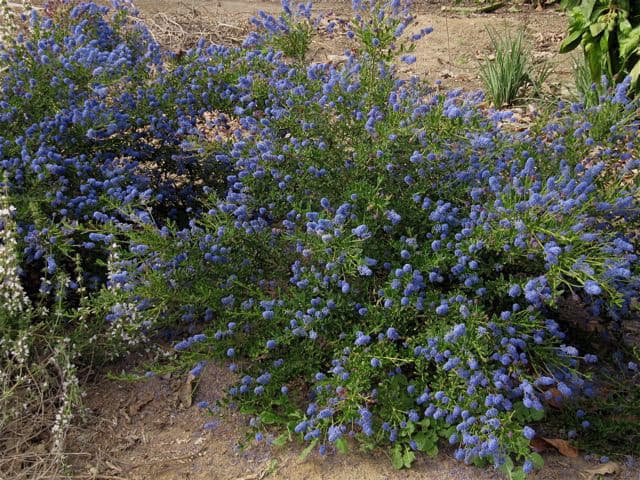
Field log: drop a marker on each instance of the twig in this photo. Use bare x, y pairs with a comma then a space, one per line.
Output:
492, 7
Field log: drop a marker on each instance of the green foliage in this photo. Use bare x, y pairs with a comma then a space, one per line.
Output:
609, 33
588, 91
507, 73
295, 43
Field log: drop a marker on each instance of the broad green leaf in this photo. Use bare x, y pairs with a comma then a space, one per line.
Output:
308, 449
597, 28
629, 42
594, 60
537, 460
408, 457
507, 466
518, 474
410, 428
341, 445
607, 58
396, 457
625, 26
423, 441
599, 13
571, 42
587, 7
635, 73
269, 418
431, 450
536, 415
281, 440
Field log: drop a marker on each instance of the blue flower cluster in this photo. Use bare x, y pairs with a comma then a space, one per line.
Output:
390, 259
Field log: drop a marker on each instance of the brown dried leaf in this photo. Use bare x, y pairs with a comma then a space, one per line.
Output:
141, 400
564, 448
538, 445
185, 394
609, 468
556, 398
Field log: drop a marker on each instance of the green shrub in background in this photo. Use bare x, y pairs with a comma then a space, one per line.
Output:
609, 33
504, 75
510, 71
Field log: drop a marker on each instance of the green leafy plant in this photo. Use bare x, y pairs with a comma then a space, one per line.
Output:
609, 33
505, 74
588, 91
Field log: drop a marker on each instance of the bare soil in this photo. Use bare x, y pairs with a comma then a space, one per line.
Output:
451, 53
153, 429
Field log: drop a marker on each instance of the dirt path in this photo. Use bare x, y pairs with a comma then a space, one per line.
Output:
451, 53
144, 430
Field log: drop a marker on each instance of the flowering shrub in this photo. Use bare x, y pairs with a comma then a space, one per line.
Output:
377, 260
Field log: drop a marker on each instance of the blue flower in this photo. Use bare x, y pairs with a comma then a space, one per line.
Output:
361, 231
442, 309
392, 334
527, 466
592, 287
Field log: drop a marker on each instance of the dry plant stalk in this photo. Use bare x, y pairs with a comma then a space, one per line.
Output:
182, 29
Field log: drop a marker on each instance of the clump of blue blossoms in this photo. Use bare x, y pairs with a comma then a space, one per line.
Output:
376, 260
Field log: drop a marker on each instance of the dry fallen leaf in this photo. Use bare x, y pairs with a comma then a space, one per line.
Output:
608, 468
538, 445
563, 447
140, 402
556, 398
185, 393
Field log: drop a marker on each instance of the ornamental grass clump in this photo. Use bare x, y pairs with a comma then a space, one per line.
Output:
507, 73
378, 262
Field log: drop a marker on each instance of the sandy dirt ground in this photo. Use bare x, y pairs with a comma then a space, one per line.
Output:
153, 429
451, 53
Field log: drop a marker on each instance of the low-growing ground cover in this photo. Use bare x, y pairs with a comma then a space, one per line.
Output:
382, 264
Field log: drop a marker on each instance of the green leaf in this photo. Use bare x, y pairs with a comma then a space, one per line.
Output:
594, 59
431, 450
587, 7
423, 441
308, 449
341, 445
425, 423
409, 429
536, 415
571, 42
518, 474
408, 457
396, 457
629, 42
597, 28
537, 460
269, 418
625, 26
635, 73
507, 467
281, 440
